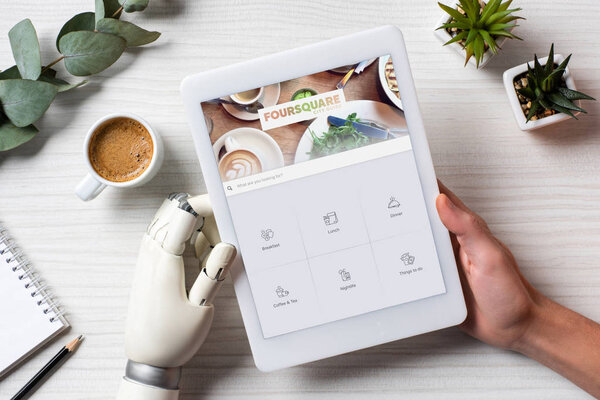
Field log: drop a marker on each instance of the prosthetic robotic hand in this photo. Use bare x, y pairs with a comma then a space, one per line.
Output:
166, 326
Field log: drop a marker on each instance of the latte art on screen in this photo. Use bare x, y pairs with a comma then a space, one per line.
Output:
238, 164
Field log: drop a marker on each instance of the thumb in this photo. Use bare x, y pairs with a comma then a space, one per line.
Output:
471, 232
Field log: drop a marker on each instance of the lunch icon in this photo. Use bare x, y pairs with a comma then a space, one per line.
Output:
345, 275
267, 234
330, 218
393, 203
407, 259
281, 292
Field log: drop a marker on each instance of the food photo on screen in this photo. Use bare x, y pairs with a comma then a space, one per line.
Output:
302, 119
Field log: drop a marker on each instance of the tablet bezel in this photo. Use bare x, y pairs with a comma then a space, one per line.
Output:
364, 330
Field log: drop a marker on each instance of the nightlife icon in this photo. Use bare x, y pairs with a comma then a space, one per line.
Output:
281, 292
267, 234
345, 275
331, 218
393, 203
407, 259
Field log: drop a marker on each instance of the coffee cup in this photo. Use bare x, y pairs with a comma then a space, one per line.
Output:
248, 96
238, 161
120, 150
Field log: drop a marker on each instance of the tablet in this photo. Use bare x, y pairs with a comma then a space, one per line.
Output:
318, 168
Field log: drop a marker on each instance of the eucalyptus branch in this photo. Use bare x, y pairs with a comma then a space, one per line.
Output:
89, 43
53, 63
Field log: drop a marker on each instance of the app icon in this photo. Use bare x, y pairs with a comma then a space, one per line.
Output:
345, 275
407, 259
331, 218
393, 203
281, 292
267, 234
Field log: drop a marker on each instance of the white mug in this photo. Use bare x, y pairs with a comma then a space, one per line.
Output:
254, 99
93, 183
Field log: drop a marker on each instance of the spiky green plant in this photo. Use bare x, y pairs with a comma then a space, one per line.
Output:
479, 27
548, 91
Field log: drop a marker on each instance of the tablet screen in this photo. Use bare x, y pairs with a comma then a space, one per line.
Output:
327, 205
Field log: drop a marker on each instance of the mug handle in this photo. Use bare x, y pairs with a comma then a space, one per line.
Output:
231, 144
89, 188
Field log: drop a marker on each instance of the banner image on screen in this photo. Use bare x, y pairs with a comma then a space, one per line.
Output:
325, 197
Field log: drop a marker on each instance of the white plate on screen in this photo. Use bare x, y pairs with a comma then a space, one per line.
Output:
384, 84
269, 98
263, 145
374, 111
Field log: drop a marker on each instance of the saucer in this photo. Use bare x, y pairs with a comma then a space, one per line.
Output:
257, 141
269, 98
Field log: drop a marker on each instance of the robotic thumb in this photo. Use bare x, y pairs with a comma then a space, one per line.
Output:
211, 277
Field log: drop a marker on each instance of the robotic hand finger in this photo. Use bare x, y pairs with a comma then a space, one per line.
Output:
166, 326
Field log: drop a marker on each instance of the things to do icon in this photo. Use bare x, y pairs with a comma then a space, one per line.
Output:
407, 259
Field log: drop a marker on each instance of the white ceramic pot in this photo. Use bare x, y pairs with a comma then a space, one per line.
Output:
444, 36
508, 78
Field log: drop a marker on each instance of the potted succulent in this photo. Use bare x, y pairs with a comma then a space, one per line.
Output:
542, 92
477, 28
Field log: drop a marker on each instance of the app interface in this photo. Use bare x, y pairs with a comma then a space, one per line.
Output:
327, 205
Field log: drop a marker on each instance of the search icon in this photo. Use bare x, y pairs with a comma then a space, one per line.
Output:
229, 188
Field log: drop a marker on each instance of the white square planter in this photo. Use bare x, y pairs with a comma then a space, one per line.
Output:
508, 78
444, 36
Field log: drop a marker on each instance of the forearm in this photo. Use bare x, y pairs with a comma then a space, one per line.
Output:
566, 342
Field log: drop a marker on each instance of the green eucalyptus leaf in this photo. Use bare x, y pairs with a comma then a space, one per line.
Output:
107, 9
81, 22
12, 136
133, 5
88, 53
11, 73
26, 49
24, 101
133, 34
49, 76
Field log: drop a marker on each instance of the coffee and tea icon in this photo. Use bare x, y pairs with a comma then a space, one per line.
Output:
281, 292
345, 275
267, 234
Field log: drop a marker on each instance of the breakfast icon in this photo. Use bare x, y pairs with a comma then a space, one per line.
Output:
345, 275
267, 234
407, 259
281, 292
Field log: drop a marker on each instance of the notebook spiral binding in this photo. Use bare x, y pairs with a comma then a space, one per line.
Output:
31, 280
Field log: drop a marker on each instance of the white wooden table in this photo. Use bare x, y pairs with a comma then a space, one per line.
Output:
540, 193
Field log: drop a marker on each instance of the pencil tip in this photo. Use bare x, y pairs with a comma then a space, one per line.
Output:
80, 338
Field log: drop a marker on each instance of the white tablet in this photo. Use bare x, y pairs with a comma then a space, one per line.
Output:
318, 168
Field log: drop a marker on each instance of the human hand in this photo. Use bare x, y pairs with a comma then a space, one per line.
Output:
500, 301
506, 311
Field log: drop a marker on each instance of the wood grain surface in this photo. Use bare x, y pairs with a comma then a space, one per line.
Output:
540, 193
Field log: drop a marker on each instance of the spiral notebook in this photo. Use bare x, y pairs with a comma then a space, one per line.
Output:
29, 317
